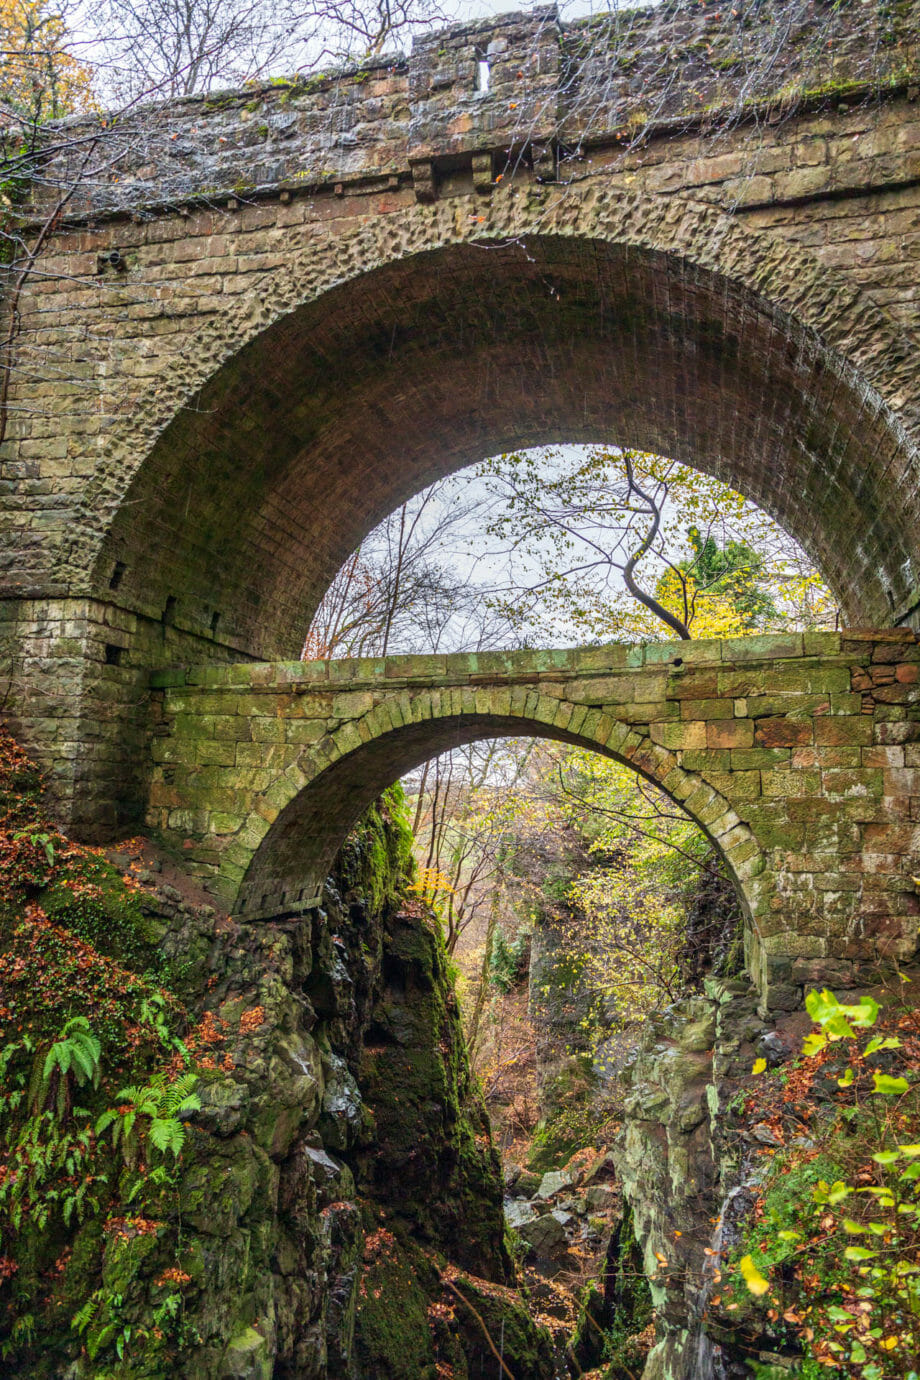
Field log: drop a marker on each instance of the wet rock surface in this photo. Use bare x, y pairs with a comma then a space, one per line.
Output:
338, 1192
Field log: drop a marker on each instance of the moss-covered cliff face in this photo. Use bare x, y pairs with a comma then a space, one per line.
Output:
336, 1174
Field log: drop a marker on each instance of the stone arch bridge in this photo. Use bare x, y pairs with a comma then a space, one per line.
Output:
794, 753
258, 321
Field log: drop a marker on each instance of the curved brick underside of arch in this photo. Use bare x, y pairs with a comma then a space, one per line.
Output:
329, 787
365, 367
299, 847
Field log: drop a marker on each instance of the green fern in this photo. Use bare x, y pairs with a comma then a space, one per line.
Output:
162, 1103
75, 1057
84, 1316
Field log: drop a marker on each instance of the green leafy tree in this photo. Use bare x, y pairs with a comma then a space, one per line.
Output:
736, 572
607, 544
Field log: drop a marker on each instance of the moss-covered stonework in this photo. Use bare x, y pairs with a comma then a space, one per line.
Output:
324, 280
796, 753
249, 1259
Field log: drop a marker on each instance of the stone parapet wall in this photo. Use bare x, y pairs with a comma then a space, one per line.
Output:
817, 156
111, 359
662, 70
798, 754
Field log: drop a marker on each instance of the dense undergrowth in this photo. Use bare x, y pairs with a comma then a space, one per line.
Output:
99, 1066
189, 1170
828, 1266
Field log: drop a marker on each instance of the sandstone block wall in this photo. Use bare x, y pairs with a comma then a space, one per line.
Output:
327, 292
798, 754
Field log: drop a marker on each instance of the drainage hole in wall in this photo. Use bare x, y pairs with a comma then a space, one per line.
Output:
113, 654
117, 574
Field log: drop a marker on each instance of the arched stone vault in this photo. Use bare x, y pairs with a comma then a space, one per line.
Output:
298, 848
369, 364
794, 753
223, 460
259, 328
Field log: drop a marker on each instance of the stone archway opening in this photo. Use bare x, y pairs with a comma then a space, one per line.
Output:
259, 771
288, 868
346, 405
532, 549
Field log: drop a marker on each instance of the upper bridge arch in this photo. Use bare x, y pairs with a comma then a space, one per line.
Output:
257, 322
368, 364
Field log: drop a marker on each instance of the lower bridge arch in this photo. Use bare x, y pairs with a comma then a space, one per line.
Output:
327, 789
797, 753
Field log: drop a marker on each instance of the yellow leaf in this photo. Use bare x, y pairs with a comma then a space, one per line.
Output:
752, 1277
760, 1066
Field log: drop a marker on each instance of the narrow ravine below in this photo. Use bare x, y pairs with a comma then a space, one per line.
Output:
335, 1206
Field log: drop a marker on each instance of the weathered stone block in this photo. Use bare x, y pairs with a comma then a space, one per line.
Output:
304, 730
844, 730
221, 823
762, 648
707, 709
787, 703
842, 784
216, 752
706, 759
352, 705
820, 643
783, 784
750, 759
264, 730
693, 685
730, 733
739, 785
783, 732
679, 735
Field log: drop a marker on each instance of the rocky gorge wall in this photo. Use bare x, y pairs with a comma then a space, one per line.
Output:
336, 1212
679, 1160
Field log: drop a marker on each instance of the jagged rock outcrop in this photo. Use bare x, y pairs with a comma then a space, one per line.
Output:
336, 1212
679, 1162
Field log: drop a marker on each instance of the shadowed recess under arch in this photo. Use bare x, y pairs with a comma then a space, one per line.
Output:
290, 865
337, 412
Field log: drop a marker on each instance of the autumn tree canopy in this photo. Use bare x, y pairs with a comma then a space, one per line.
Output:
41, 76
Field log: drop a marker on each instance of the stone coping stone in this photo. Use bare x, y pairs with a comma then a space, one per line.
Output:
471, 666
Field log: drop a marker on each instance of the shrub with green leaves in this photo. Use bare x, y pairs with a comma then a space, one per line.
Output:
833, 1251
151, 1114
